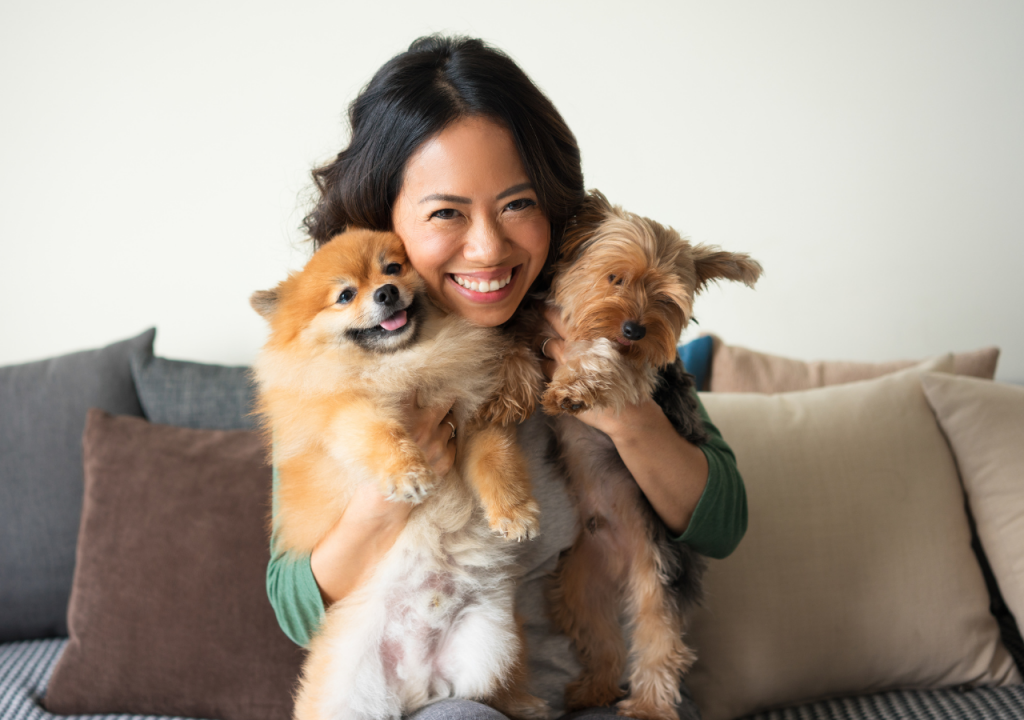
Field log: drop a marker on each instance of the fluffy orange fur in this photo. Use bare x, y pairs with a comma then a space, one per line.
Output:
352, 335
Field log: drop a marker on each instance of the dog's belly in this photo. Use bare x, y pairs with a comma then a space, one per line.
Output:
435, 621
612, 510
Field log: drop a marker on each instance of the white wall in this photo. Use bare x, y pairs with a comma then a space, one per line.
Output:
154, 157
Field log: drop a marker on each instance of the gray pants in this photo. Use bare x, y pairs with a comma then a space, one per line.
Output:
471, 710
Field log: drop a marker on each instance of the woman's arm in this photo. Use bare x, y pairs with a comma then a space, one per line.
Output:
696, 490
670, 471
301, 588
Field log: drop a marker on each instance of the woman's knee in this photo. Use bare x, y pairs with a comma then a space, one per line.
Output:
456, 710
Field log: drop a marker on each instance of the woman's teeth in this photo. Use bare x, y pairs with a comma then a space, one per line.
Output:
484, 285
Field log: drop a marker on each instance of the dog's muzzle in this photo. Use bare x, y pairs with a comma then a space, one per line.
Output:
632, 330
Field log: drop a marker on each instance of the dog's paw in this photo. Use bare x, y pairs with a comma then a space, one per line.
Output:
411, 487
570, 399
528, 707
645, 710
588, 692
519, 522
507, 410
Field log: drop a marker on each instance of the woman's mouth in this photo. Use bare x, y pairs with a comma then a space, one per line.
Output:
483, 286
486, 289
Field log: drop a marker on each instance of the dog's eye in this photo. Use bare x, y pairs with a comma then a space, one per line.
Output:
393, 269
614, 281
346, 296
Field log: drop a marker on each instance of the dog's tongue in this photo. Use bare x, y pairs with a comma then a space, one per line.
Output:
395, 321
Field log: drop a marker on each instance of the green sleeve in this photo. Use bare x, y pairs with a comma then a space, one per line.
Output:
720, 519
292, 590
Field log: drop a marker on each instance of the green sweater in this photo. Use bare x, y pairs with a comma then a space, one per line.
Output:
716, 528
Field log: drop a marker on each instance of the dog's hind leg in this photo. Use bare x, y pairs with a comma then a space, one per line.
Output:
658, 655
584, 602
512, 698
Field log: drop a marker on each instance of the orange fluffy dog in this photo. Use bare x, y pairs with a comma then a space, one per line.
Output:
625, 287
352, 335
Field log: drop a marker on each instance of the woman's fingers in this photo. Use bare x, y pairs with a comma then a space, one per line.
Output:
446, 459
553, 348
554, 317
431, 429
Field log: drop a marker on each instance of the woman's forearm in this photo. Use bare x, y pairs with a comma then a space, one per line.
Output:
671, 471
347, 556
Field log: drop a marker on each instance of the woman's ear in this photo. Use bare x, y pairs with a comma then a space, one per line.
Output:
264, 302
714, 264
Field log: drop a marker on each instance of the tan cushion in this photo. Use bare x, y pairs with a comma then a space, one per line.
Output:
984, 423
737, 369
856, 573
169, 612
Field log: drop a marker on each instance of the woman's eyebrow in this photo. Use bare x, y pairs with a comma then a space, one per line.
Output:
444, 197
447, 198
514, 189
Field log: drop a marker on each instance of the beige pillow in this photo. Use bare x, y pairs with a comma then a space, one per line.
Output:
856, 574
984, 423
737, 369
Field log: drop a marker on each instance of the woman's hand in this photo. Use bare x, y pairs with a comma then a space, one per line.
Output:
670, 471
350, 552
433, 429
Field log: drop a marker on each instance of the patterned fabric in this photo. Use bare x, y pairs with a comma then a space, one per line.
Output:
1005, 703
25, 668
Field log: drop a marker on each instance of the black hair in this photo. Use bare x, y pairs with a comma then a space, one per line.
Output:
417, 94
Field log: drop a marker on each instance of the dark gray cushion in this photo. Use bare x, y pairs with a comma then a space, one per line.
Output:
194, 395
42, 414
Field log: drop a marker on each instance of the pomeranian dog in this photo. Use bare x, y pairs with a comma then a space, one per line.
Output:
352, 336
625, 287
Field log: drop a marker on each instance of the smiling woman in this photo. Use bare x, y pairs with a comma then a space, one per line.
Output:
459, 153
474, 230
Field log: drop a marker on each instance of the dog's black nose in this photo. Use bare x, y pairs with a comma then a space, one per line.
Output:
632, 330
386, 295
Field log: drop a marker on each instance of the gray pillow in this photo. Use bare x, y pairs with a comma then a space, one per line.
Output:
44, 405
194, 395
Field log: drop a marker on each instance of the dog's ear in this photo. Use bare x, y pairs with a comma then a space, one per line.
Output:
264, 302
714, 264
582, 225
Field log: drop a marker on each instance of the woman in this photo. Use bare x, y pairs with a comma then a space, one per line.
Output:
456, 150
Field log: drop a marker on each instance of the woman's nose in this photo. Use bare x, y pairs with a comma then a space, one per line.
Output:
485, 243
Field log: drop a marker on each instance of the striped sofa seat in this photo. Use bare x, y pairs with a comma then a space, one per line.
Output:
25, 668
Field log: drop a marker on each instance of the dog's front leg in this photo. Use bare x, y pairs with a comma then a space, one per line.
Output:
520, 380
595, 374
495, 468
368, 438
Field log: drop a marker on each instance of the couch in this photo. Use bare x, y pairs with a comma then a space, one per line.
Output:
880, 577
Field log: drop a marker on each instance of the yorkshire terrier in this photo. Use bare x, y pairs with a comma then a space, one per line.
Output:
625, 286
353, 336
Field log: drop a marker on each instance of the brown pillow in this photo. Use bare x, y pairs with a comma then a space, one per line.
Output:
169, 613
737, 369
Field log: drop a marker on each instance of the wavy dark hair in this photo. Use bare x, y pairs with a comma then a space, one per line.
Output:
414, 96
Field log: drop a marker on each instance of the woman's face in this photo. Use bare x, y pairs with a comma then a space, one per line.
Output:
470, 221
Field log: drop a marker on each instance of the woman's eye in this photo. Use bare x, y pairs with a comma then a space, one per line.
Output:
393, 269
520, 204
346, 296
444, 214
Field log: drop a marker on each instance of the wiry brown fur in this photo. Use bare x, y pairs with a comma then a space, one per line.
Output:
331, 381
617, 267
